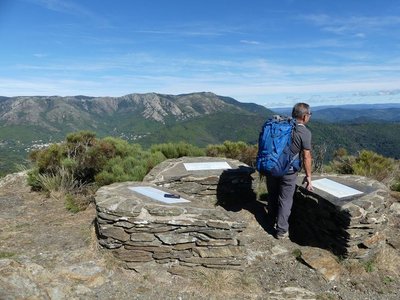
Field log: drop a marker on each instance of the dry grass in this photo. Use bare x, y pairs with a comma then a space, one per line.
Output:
354, 267
388, 260
395, 195
260, 187
225, 284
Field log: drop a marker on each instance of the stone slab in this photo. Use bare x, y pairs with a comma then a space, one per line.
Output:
120, 201
201, 166
334, 183
334, 188
157, 194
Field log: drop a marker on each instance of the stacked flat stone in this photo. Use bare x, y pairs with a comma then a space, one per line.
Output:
216, 186
139, 229
350, 227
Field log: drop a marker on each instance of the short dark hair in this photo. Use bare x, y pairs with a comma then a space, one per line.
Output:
300, 110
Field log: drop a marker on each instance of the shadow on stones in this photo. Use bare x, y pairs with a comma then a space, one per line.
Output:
318, 223
314, 221
235, 192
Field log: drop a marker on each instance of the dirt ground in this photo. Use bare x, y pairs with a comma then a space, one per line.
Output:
47, 252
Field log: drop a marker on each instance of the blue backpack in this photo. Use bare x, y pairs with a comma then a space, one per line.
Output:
274, 156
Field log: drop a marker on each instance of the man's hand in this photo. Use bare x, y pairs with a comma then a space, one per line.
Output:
307, 180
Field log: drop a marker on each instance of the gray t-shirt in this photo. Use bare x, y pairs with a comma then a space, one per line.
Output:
301, 139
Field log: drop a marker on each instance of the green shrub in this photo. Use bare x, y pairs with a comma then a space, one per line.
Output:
369, 266
176, 150
104, 178
48, 160
394, 181
60, 181
235, 150
85, 138
33, 179
342, 162
342, 166
297, 253
387, 280
154, 159
371, 164
6, 254
69, 164
71, 204
395, 186
131, 168
83, 159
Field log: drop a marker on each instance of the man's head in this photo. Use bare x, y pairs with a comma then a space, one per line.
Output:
301, 112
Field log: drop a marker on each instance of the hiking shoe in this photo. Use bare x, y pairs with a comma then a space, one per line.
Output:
282, 236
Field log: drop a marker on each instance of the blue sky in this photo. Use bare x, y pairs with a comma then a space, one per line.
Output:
270, 52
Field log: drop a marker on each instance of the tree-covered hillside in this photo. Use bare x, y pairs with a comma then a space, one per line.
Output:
200, 119
382, 138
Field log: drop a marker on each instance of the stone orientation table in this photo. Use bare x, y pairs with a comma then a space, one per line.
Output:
139, 224
344, 214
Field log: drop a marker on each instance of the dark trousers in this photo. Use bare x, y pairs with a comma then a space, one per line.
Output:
280, 200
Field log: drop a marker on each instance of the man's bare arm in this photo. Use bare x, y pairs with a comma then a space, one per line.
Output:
307, 159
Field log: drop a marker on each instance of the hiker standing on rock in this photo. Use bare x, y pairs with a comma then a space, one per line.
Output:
281, 188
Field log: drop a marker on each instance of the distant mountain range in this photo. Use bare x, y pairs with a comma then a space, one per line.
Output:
353, 113
134, 116
197, 118
201, 119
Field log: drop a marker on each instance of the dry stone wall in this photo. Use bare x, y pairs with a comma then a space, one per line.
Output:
351, 226
139, 229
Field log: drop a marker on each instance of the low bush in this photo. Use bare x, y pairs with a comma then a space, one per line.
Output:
72, 169
60, 181
170, 150
236, 150
71, 204
69, 169
342, 162
369, 164
76, 202
395, 185
129, 168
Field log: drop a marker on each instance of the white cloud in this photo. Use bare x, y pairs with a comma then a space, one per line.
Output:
40, 55
245, 79
72, 8
63, 6
352, 24
360, 35
250, 42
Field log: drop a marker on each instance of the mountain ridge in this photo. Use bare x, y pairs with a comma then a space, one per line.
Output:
151, 106
353, 113
31, 122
